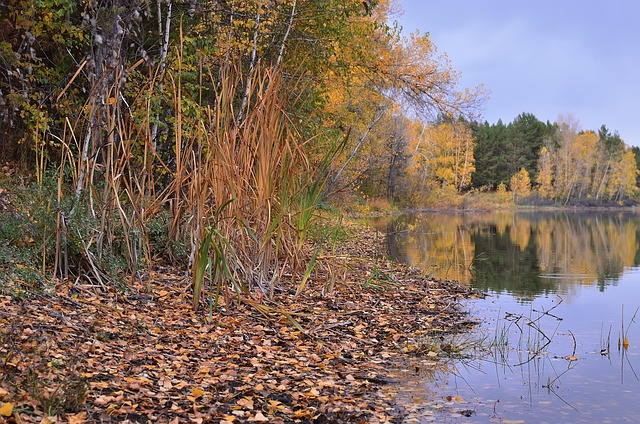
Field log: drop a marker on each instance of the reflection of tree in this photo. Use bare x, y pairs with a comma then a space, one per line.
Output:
595, 246
526, 254
506, 266
438, 244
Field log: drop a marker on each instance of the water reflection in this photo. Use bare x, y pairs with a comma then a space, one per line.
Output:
526, 254
564, 296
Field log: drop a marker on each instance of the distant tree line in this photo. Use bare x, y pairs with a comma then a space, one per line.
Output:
545, 163
564, 164
502, 150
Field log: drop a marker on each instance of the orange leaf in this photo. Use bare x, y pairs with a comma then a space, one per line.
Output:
6, 409
196, 392
246, 402
78, 418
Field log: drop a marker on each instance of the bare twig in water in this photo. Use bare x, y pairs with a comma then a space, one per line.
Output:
543, 312
575, 344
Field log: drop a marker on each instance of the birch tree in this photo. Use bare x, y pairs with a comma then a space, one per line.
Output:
445, 157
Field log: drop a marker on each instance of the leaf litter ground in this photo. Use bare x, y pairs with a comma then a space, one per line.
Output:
88, 353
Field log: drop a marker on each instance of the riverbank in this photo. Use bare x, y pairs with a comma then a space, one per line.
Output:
95, 353
481, 202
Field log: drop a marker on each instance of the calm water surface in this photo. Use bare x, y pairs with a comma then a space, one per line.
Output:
563, 289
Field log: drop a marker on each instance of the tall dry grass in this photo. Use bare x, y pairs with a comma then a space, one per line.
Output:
242, 187
254, 168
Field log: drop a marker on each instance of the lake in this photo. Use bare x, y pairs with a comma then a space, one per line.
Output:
559, 339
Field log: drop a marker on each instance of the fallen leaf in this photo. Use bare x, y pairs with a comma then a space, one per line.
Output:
78, 418
246, 403
302, 413
259, 417
6, 409
196, 392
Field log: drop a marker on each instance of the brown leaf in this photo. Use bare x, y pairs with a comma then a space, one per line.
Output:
245, 402
78, 418
259, 417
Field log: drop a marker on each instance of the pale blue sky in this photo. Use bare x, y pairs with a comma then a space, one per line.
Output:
542, 57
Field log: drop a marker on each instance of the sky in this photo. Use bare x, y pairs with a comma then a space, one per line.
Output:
542, 57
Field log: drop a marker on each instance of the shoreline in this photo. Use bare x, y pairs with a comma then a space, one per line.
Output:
451, 211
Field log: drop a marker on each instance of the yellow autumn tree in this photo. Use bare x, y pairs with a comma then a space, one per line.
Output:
544, 179
584, 158
623, 177
444, 156
520, 184
375, 77
575, 165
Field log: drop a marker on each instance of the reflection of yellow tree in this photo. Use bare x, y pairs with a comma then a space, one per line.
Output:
442, 247
503, 221
592, 248
520, 233
574, 248
544, 243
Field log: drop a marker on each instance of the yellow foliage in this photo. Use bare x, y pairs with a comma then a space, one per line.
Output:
545, 173
520, 184
520, 233
623, 176
584, 165
443, 156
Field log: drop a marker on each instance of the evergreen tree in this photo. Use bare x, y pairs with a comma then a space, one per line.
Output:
526, 136
636, 152
491, 163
